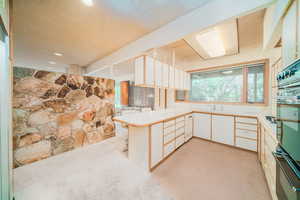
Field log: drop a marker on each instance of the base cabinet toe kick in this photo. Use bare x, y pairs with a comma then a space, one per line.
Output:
151, 144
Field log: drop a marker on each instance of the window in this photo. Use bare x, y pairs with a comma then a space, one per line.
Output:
217, 86
236, 84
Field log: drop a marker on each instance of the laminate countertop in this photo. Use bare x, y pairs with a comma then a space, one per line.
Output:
153, 117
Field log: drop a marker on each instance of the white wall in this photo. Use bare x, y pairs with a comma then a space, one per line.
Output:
251, 49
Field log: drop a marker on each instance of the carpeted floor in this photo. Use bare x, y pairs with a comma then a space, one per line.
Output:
95, 172
201, 170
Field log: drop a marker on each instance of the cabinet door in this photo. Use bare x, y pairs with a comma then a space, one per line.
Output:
188, 127
182, 78
223, 129
156, 144
165, 75
177, 78
158, 74
149, 66
202, 125
171, 77
139, 71
289, 35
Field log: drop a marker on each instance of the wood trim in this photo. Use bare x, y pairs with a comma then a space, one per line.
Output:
245, 86
228, 66
219, 102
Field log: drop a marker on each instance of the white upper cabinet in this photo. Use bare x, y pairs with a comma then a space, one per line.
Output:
165, 79
139, 68
149, 67
171, 77
177, 78
223, 129
289, 35
158, 73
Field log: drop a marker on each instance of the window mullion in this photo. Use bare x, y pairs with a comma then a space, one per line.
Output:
245, 85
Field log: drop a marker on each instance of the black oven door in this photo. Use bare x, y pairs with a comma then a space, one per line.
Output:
288, 129
287, 184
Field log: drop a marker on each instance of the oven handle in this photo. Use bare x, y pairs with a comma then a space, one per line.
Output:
280, 154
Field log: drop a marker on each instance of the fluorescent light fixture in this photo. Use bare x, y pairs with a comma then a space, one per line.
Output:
58, 54
227, 72
88, 2
52, 62
211, 42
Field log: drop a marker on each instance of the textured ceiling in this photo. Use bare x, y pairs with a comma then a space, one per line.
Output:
84, 34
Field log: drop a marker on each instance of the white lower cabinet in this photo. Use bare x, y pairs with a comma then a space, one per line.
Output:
188, 127
202, 125
156, 141
223, 129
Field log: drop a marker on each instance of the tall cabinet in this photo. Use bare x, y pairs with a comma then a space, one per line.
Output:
291, 34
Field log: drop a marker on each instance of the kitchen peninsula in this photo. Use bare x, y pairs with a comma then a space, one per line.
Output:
155, 135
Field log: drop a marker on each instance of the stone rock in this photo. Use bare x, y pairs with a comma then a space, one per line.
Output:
48, 129
61, 80
41, 74
33, 87
94, 137
67, 118
100, 81
29, 139
64, 145
58, 105
19, 120
63, 92
64, 132
74, 82
49, 93
75, 96
99, 92
20, 72
39, 117
33, 152
77, 124
79, 138
110, 84
109, 127
15, 142
27, 102
99, 123
89, 91
90, 80
88, 116
88, 127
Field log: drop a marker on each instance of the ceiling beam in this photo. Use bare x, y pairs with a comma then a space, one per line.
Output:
213, 12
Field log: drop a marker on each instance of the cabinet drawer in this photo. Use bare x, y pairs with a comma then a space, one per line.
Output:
179, 141
246, 126
246, 133
246, 144
246, 120
179, 124
169, 123
179, 119
168, 130
169, 137
188, 136
179, 131
169, 148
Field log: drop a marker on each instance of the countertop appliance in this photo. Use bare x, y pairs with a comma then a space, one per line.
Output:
288, 133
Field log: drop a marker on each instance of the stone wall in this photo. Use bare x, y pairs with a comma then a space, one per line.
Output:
54, 113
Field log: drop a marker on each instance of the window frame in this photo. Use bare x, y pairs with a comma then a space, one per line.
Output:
245, 83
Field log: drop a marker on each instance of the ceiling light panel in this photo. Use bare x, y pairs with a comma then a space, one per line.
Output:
88, 2
212, 43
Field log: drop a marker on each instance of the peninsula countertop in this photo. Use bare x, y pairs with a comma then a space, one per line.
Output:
143, 119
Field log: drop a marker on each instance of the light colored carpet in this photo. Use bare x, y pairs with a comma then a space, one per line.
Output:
201, 170
95, 172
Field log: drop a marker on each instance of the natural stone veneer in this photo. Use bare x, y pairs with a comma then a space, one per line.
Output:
54, 113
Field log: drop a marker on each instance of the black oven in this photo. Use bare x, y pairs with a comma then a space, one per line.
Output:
288, 133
